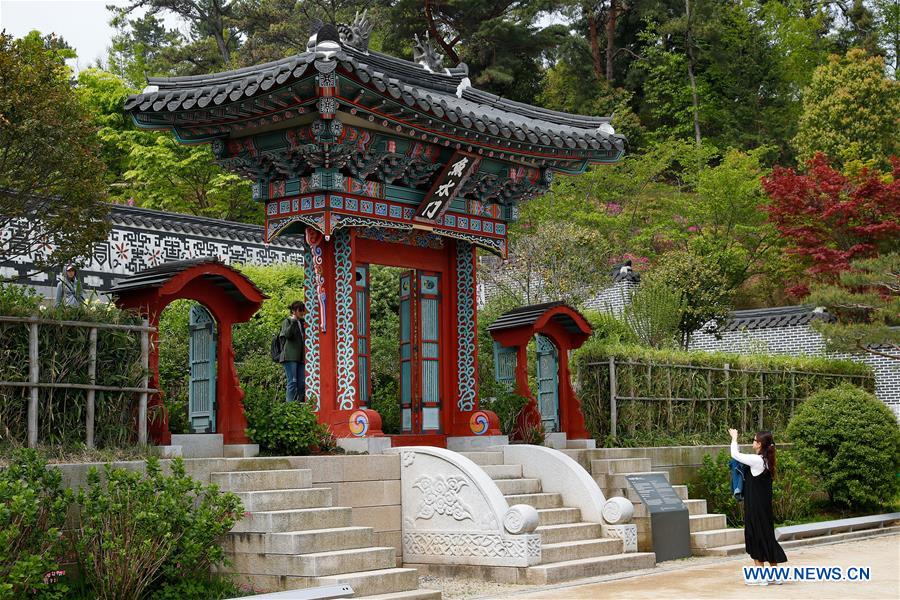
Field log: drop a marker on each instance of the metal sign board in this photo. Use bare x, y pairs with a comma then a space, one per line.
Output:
446, 187
669, 518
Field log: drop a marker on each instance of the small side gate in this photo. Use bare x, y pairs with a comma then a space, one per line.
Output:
202, 358
548, 383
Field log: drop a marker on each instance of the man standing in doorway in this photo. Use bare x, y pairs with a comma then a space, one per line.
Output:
292, 355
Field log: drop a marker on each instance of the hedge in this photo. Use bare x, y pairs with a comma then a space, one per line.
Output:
694, 397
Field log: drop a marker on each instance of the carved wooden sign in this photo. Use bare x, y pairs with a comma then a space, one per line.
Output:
446, 187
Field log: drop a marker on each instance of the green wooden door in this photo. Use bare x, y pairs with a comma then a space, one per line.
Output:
202, 357
548, 383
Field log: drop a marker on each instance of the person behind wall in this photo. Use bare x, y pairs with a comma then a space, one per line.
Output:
292, 354
69, 290
759, 522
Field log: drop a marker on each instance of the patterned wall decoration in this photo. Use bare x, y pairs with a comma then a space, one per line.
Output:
465, 319
346, 338
140, 239
440, 496
311, 342
470, 545
415, 237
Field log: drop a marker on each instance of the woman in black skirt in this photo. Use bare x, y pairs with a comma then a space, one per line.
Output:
759, 524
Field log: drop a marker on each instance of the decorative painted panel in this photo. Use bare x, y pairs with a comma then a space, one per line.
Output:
313, 317
465, 319
504, 363
406, 366
346, 336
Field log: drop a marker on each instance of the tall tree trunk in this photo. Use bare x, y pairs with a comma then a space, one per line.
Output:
689, 46
436, 35
223, 47
614, 11
595, 42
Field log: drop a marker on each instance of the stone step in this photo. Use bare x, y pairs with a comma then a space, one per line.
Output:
484, 458
285, 499
696, 506
717, 537
271, 479
568, 532
589, 567
620, 480
263, 463
300, 542
609, 466
542, 500
558, 516
707, 522
315, 564
518, 486
381, 581
577, 549
300, 519
503, 471
739, 549
419, 594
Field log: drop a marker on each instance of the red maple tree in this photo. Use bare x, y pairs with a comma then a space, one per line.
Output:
830, 218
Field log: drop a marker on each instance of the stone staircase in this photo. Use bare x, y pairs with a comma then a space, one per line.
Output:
709, 531
570, 548
293, 538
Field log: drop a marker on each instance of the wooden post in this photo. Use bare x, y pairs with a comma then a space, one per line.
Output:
709, 402
762, 396
613, 417
34, 372
92, 380
727, 394
145, 382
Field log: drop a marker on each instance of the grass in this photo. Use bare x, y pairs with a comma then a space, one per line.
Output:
82, 454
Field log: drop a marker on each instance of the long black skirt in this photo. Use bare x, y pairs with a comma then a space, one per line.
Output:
759, 524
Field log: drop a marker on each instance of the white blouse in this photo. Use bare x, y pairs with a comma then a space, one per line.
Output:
754, 461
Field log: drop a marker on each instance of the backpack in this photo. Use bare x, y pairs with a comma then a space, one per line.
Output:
277, 348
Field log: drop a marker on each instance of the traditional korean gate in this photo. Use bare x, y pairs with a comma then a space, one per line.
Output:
420, 385
202, 357
548, 383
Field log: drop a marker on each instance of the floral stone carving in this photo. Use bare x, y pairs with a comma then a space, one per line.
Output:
453, 513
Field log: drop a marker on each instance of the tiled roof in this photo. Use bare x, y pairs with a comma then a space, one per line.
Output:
192, 224
445, 95
784, 316
528, 315
158, 276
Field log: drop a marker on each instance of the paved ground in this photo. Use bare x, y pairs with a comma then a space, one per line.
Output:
722, 579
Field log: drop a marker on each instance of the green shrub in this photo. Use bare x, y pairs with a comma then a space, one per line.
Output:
215, 587
714, 484
505, 403
386, 401
851, 442
140, 531
792, 490
285, 428
32, 512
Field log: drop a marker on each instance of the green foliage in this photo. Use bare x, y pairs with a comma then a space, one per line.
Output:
850, 111
47, 150
32, 514
655, 313
610, 329
792, 489
714, 485
866, 301
285, 428
213, 587
64, 357
695, 397
701, 285
502, 399
137, 531
850, 440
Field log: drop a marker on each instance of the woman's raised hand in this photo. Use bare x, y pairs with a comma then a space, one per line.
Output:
734, 433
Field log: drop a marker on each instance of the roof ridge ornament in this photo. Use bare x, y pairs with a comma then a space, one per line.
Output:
607, 128
356, 34
426, 54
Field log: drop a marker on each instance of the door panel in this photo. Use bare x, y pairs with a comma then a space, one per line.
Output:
420, 382
202, 385
548, 383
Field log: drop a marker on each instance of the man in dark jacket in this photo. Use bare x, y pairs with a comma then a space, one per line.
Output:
292, 355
